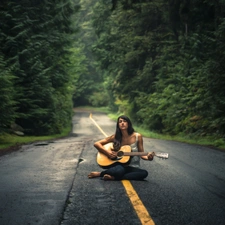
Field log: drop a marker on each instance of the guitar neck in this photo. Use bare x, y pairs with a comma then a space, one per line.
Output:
160, 155
135, 153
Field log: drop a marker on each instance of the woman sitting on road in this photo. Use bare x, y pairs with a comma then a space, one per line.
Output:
124, 135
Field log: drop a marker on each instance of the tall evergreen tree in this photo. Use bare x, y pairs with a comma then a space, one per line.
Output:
37, 41
165, 61
7, 106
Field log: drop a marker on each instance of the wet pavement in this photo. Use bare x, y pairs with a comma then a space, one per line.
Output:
47, 184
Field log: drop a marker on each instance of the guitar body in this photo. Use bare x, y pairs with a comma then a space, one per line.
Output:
123, 155
104, 161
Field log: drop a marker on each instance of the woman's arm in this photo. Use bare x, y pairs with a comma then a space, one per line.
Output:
150, 156
99, 145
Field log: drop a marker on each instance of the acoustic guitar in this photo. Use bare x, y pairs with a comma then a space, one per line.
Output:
123, 155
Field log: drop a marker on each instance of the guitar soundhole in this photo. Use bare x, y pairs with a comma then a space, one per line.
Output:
120, 154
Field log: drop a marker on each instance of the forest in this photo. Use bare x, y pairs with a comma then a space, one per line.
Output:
159, 62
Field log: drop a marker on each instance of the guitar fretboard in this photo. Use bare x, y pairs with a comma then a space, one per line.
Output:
157, 154
135, 153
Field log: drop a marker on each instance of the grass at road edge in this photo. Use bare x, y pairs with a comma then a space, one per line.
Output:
7, 141
208, 141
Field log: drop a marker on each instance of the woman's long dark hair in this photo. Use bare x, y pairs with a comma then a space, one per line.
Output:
118, 133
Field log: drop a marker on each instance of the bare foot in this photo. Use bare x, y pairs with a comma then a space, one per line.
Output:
108, 177
94, 174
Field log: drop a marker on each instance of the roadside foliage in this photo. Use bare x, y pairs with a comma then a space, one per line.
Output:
160, 62
163, 62
36, 56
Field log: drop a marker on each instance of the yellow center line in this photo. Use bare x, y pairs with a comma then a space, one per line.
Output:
139, 207
97, 125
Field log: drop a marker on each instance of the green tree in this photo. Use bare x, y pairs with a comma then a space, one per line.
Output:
7, 107
165, 59
37, 40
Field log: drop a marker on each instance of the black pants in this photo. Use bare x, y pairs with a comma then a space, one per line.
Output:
120, 172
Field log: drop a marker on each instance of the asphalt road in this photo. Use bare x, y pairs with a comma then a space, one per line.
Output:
47, 184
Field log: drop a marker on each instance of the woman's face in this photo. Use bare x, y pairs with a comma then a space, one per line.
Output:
123, 124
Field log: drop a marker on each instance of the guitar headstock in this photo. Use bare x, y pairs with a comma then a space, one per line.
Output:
162, 155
